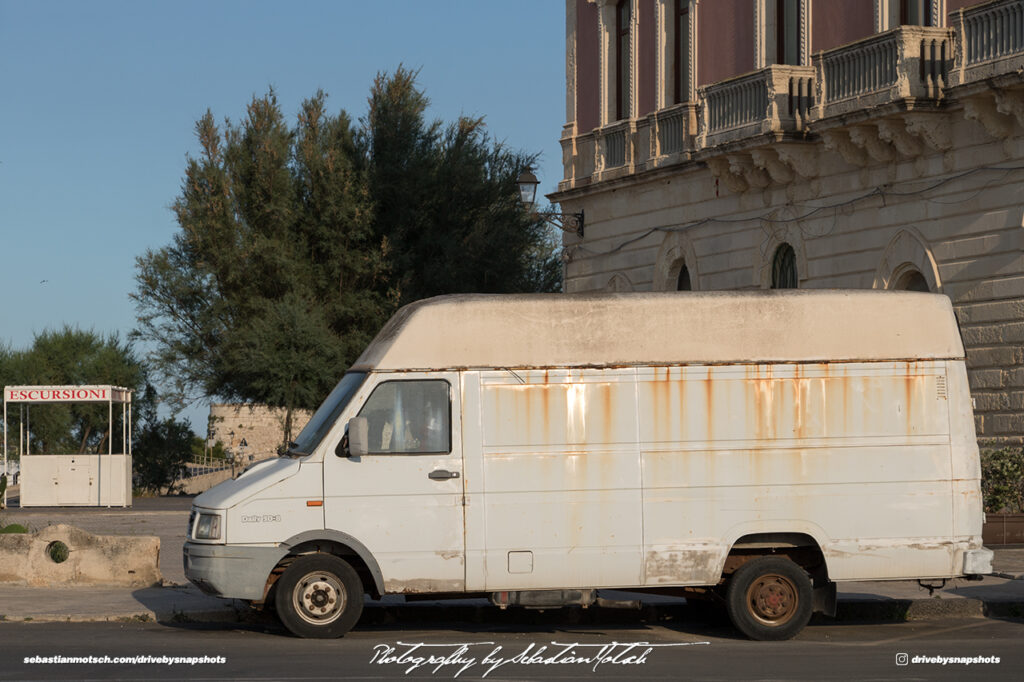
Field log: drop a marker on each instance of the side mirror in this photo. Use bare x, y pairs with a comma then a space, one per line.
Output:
358, 437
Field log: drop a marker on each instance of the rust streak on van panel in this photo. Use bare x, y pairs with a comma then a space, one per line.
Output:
799, 389
662, 412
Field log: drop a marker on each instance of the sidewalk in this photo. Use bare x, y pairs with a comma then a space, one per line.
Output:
995, 596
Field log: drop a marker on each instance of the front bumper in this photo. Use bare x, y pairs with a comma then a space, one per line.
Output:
230, 571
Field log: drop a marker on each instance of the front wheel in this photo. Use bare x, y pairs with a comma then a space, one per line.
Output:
319, 596
769, 598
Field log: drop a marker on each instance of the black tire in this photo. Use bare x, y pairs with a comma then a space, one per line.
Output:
319, 596
769, 598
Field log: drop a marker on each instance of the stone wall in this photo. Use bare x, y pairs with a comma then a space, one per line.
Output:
261, 427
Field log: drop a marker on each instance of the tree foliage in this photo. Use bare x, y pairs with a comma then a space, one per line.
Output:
162, 448
70, 356
297, 242
1002, 480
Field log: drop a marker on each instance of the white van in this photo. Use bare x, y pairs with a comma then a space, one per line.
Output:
751, 448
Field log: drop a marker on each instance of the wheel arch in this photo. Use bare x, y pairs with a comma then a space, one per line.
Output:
341, 545
801, 541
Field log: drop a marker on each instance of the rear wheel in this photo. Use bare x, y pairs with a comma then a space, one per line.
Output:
769, 598
319, 596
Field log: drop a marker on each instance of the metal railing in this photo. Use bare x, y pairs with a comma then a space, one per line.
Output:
206, 464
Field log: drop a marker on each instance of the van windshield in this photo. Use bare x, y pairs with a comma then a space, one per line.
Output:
326, 415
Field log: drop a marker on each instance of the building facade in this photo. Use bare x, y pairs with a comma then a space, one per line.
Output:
745, 144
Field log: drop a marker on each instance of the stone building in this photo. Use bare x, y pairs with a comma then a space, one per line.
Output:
744, 144
261, 428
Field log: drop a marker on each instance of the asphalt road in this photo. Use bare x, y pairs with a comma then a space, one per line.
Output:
265, 652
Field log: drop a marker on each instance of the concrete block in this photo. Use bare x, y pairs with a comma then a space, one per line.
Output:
1008, 424
987, 335
114, 560
991, 402
981, 245
986, 378
998, 311
999, 356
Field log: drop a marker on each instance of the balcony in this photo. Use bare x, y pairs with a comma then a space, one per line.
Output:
773, 102
876, 100
908, 65
990, 41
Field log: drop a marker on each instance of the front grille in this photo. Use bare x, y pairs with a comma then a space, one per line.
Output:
191, 524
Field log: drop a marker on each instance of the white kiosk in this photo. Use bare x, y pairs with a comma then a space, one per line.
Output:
85, 479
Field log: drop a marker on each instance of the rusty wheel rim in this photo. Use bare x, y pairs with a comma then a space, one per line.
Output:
772, 599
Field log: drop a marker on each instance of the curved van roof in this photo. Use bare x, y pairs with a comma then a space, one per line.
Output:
580, 330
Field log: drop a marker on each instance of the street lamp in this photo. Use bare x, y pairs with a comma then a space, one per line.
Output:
567, 222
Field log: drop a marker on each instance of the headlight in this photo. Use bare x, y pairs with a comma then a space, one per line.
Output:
208, 527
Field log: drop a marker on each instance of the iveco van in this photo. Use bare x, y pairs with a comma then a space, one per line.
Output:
752, 449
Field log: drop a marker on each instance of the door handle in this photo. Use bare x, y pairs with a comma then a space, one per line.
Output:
442, 475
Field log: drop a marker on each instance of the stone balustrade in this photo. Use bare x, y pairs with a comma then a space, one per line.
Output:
908, 68
775, 100
907, 62
989, 41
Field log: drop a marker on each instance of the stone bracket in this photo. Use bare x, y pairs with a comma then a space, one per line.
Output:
867, 138
838, 140
802, 159
985, 110
720, 169
768, 160
743, 164
1010, 102
933, 129
894, 131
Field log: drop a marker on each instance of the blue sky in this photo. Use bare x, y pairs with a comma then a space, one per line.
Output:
99, 100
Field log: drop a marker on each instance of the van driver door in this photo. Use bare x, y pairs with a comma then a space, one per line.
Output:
404, 500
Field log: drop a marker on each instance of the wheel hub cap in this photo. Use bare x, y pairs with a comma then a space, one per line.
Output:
772, 599
319, 598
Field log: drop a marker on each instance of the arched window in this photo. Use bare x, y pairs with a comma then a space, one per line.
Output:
912, 280
683, 283
622, 23
784, 268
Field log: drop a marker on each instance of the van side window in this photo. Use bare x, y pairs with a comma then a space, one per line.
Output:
408, 417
